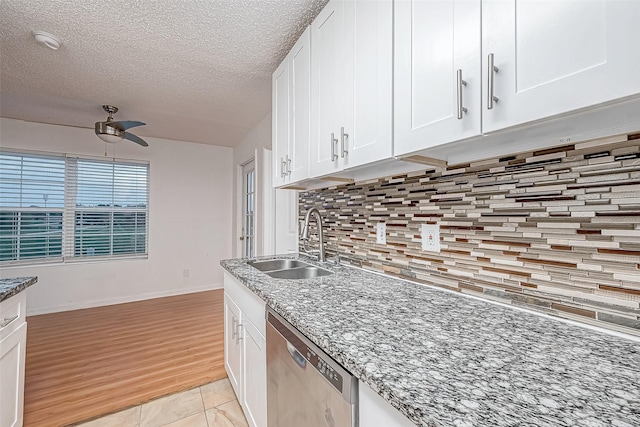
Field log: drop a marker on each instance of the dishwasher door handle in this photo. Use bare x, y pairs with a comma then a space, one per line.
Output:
296, 356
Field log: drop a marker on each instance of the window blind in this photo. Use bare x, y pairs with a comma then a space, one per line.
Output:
55, 207
31, 206
107, 208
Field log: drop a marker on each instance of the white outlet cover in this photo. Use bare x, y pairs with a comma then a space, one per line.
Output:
381, 233
430, 237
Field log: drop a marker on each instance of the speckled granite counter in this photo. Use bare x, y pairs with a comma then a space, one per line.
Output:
444, 359
15, 285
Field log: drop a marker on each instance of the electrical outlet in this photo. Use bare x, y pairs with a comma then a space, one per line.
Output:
431, 237
185, 273
381, 233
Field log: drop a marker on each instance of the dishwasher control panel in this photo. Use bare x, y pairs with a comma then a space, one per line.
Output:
324, 368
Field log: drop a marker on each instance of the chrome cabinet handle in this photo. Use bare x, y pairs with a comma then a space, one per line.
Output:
8, 320
334, 141
238, 336
343, 148
461, 108
491, 69
288, 165
234, 327
282, 166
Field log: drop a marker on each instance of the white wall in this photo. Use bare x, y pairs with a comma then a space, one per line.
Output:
190, 222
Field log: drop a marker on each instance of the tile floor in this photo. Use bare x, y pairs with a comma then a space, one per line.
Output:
212, 405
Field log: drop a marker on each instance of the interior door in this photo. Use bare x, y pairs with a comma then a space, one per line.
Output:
551, 57
437, 51
328, 62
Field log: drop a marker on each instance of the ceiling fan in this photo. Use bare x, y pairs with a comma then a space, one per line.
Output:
112, 131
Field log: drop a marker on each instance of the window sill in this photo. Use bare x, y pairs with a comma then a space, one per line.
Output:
71, 261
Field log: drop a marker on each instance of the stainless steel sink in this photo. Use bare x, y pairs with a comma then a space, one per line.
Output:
299, 273
289, 269
278, 264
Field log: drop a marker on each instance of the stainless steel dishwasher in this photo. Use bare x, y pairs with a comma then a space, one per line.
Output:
305, 387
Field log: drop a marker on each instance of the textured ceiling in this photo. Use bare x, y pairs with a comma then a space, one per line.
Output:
193, 70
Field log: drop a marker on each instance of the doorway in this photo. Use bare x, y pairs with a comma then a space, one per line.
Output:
248, 230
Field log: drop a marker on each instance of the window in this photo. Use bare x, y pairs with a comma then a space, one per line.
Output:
110, 208
31, 206
97, 208
248, 214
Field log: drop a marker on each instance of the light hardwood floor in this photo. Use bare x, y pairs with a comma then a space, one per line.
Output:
86, 363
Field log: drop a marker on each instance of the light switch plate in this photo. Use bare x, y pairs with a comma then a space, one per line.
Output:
381, 233
431, 237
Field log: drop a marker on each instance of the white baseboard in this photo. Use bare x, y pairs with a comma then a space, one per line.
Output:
79, 305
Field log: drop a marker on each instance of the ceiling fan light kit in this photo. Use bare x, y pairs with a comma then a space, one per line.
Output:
115, 131
47, 40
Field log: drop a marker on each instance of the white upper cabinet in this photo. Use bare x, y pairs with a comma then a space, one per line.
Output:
437, 78
368, 93
280, 125
552, 57
351, 85
327, 88
291, 103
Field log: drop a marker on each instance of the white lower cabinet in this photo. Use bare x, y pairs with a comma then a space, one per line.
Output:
232, 347
374, 411
245, 357
13, 342
255, 374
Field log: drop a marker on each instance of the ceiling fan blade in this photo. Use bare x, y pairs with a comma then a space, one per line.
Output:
126, 124
131, 137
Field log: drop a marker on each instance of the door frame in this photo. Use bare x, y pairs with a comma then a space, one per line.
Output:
264, 215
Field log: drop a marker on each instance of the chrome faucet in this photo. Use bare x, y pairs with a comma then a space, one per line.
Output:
305, 232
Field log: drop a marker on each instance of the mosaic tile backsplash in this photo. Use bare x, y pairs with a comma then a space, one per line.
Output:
555, 230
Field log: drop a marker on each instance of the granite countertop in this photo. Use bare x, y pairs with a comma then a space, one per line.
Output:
15, 285
443, 359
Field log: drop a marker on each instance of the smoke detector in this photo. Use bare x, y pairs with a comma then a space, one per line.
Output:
47, 40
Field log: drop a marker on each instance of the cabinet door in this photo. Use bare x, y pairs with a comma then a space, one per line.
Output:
299, 59
280, 121
232, 345
255, 375
556, 56
367, 95
437, 47
375, 411
327, 83
12, 358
